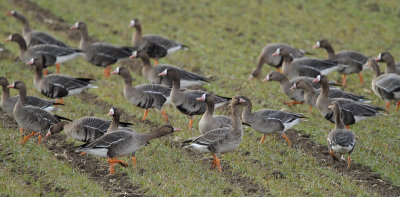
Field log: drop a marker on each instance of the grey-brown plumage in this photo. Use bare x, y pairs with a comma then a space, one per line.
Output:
391, 66
209, 121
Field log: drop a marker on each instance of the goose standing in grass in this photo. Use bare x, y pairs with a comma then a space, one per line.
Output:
266, 57
187, 78
57, 85
391, 66
352, 111
209, 121
53, 54
30, 118
185, 100
145, 95
385, 86
87, 129
34, 37
267, 121
122, 143
221, 140
353, 59
340, 139
138, 39
100, 53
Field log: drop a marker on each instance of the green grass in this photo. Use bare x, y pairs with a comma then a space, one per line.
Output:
225, 39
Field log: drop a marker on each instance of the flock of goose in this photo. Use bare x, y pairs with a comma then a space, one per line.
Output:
302, 79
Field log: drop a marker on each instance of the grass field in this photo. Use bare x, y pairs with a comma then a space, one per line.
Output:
225, 39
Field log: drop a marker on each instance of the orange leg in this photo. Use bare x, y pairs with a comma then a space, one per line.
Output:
287, 139
113, 161
58, 68
278, 70
397, 106
26, 138
106, 72
60, 101
344, 80
145, 114
21, 130
83, 154
134, 160
309, 108
347, 127
361, 78
190, 124
155, 62
45, 72
348, 162
39, 139
214, 163
333, 155
165, 116
262, 140
217, 162
387, 106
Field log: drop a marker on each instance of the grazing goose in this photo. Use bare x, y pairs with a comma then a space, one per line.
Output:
185, 100
311, 94
87, 129
385, 86
340, 139
137, 40
7, 103
31, 118
52, 54
266, 57
33, 37
100, 53
57, 85
209, 121
352, 111
308, 67
353, 59
391, 66
267, 121
122, 143
187, 78
221, 140
145, 95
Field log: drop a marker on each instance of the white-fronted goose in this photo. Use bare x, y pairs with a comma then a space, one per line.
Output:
209, 121
308, 67
30, 118
87, 129
33, 37
385, 86
267, 121
100, 53
391, 66
222, 140
185, 100
311, 94
352, 111
7, 102
187, 78
137, 40
122, 143
57, 85
266, 57
353, 59
340, 139
53, 54
145, 95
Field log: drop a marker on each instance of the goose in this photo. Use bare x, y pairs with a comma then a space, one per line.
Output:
340, 140
122, 143
391, 66
352, 111
100, 53
221, 140
34, 37
187, 78
30, 118
267, 121
309, 67
7, 103
311, 94
137, 39
53, 54
209, 121
185, 100
353, 59
385, 86
57, 85
145, 95
87, 129
266, 57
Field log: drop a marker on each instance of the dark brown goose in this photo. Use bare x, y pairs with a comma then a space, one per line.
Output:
353, 59
138, 39
266, 57
100, 53
391, 66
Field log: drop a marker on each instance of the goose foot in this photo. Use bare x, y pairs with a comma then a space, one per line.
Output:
333, 155
106, 72
155, 62
348, 162
287, 139
145, 114
45, 72
262, 140
344, 80
190, 125
134, 160
217, 162
58, 68
165, 116
361, 79
39, 139
347, 127
113, 161
21, 130
26, 138
83, 154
